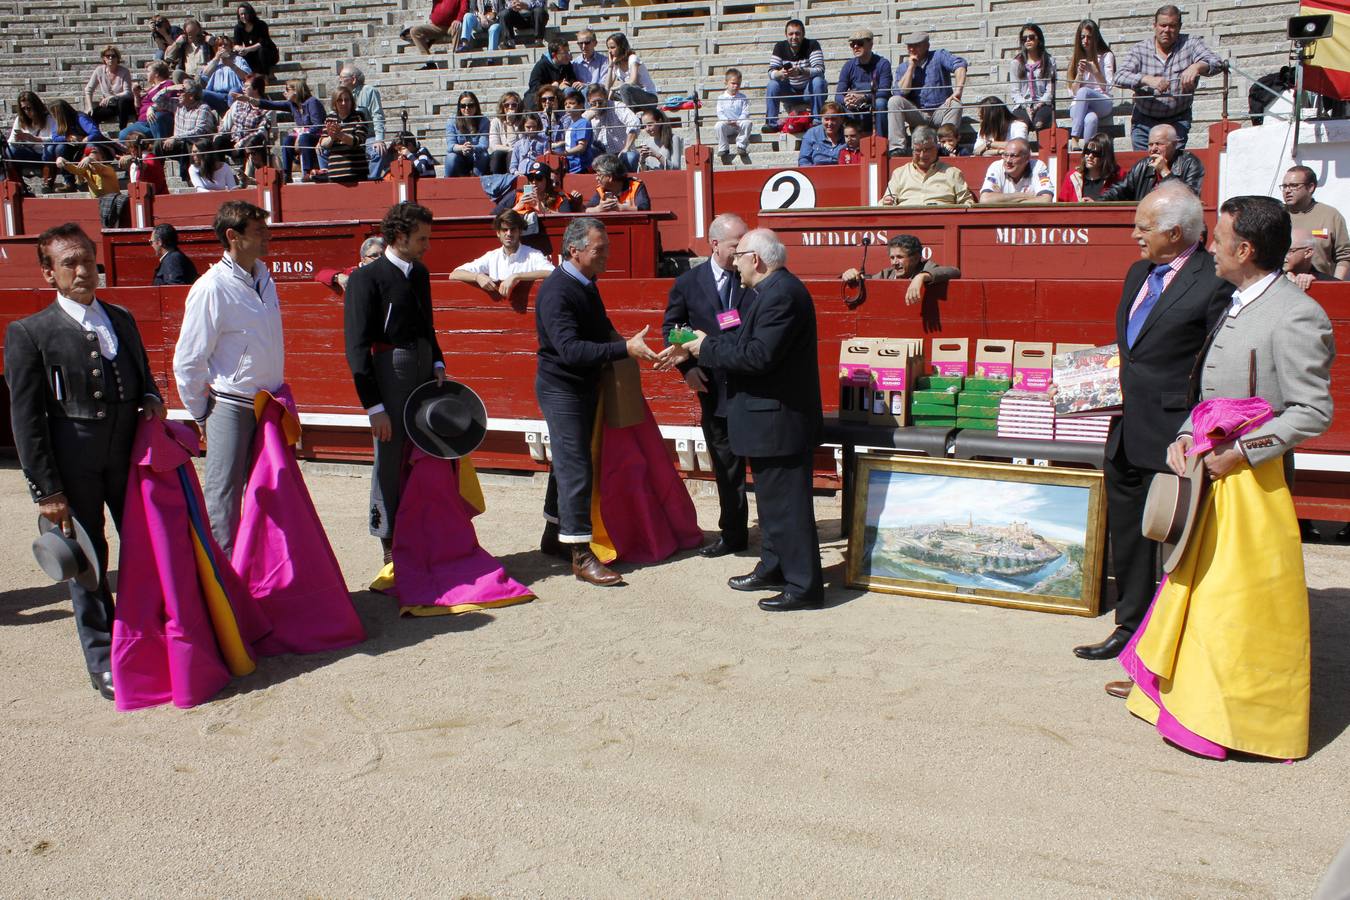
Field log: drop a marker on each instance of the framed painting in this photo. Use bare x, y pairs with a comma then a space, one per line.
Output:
1028, 537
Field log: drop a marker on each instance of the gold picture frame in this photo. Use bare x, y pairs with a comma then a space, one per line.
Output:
1026, 537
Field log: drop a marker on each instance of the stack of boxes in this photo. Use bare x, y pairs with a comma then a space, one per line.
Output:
876, 378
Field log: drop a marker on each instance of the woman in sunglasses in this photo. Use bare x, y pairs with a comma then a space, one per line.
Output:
1097, 170
108, 93
1033, 80
1092, 68
466, 139
503, 132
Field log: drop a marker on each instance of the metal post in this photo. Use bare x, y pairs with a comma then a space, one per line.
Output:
1298, 96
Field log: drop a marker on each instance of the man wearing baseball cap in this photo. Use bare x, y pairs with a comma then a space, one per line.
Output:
927, 91
864, 84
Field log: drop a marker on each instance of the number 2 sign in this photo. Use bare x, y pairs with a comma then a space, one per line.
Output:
787, 190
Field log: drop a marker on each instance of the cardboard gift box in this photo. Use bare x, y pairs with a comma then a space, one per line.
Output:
855, 379
1032, 369
993, 359
896, 364
949, 356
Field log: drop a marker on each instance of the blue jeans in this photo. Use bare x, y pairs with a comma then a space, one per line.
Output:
471, 163
161, 128
379, 162
567, 500
467, 33
778, 91
1141, 125
1089, 107
305, 140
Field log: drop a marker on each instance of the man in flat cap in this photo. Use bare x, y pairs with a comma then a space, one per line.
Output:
927, 91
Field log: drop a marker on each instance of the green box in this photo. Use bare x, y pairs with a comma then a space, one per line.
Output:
934, 421
976, 412
988, 385
977, 424
935, 398
977, 398
940, 382
932, 410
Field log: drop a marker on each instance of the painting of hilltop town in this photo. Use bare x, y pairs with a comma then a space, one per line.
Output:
1009, 535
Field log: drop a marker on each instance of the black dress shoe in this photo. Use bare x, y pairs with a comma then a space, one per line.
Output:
1107, 649
102, 682
786, 602
720, 547
755, 582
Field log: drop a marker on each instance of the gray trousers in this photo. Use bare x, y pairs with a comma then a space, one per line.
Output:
903, 115
229, 448
397, 372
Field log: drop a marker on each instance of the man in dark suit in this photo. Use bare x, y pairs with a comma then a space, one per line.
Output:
576, 342
1170, 301
391, 349
78, 373
773, 415
174, 266
704, 297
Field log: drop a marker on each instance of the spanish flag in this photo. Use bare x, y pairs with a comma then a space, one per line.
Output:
1330, 75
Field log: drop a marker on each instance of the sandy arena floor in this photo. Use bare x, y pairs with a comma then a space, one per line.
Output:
660, 739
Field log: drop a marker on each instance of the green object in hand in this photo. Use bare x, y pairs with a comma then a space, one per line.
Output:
681, 334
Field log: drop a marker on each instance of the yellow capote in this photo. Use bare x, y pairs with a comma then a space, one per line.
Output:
1228, 635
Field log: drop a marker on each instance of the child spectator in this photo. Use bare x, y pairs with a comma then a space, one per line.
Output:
142, 166
949, 141
578, 135
344, 139
406, 147
530, 145
94, 171
659, 147
108, 93
851, 153
733, 119
73, 135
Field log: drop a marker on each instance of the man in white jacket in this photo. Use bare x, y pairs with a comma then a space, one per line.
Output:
230, 348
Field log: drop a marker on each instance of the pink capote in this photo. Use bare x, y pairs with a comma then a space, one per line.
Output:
645, 508
164, 648
281, 551
437, 559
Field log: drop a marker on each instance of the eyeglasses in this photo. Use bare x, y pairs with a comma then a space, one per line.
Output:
467, 105
1295, 184
590, 43
1028, 37
1092, 153
739, 253
858, 43
510, 106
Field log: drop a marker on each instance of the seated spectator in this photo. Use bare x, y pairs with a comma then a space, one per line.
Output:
163, 34
1017, 178
927, 91
627, 77
466, 139
924, 180
1097, 170
224, 74
530, 145
997, 128
406, 147
344, 139
372, 248
142, 166
907, 262
589, 66
192, 120
191, 50
245, 126
503, 131
108, 92
659, 147
949, 141
30, 139
444, 24
208, 170
253, 41
499, 270
482, 26
578, 137
1033, 80
554, 67
864, 87
540, 196
615, 189
174, 266
525, 14
1092, 69
1166, 161
307, 115
615, 127
821, 143
1331, 241
851, 153
547, 102
94, 171
371, 108
1298, 262
733, 119
796, 73
159, 99
74, 133
1169, 64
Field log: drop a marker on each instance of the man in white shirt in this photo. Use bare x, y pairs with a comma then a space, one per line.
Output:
230, 348
1017, 178
499, 271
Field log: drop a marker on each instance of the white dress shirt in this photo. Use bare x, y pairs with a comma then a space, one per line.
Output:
1251, 292
92, 318
498, 266
230, 344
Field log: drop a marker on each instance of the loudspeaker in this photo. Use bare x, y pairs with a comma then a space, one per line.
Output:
1310, 28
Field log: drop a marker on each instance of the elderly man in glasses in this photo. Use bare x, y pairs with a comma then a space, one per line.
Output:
1166, 161
1017, 178
1330, 242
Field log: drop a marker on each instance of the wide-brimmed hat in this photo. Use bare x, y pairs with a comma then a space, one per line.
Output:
64, 558
447, 420
1172, 505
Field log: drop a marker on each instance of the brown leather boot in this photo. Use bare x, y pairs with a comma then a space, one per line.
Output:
549, 544
591, 570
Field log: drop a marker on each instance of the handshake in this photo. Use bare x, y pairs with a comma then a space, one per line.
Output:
684, 343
